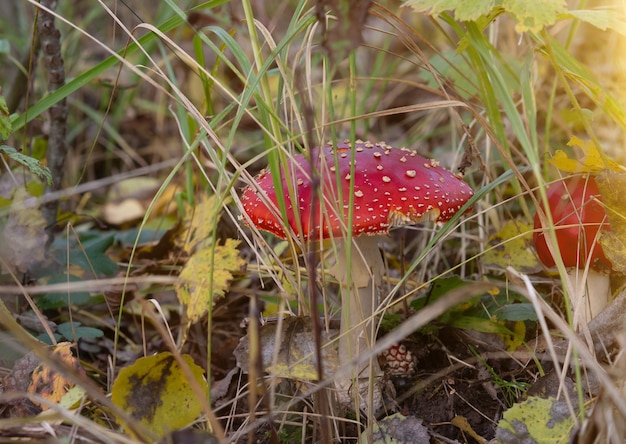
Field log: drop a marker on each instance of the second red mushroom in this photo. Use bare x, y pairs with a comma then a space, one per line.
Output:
578, 216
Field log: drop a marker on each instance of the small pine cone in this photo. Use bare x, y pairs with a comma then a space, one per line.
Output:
398, 361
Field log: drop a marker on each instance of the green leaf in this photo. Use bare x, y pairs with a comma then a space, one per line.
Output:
73, 398
32, 164
5, 122
155, 391
493, 312
5, 47
91, 254
463, 10
63, 299
531, 15
35, 188
43, 337
602, 19
73, 331
135, 235
534, 15
480, 324
442, 287
517, 312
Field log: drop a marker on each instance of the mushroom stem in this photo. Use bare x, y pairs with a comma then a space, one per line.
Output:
357, 331
589, 293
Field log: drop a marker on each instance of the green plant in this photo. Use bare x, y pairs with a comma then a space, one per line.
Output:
72, 331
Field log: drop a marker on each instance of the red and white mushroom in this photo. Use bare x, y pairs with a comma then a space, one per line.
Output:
578, 215
387, 187
398, 361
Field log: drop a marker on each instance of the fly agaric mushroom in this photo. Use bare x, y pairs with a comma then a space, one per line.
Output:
578, 215
390, 187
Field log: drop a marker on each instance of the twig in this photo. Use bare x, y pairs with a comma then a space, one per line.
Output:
50, 41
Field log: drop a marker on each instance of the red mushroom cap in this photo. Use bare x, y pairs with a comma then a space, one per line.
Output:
578, 215
392, 186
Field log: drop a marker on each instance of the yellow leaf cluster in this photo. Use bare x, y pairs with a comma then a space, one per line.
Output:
207, 274
612, 187
593, 161
208, 271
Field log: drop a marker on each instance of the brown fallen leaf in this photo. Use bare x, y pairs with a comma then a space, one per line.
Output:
290, 353
24, 236
50, 384
31, 375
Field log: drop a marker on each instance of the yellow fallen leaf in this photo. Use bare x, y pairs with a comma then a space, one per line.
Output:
512, 247
536, 420
462, 423
516, 340
155, 392
614, 248
199, 222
